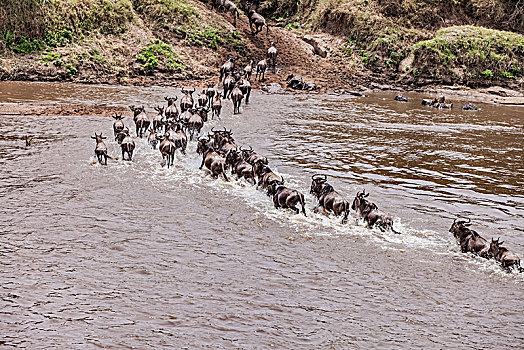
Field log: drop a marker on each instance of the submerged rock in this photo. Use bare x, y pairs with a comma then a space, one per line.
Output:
470, 107
273, 88
401, 98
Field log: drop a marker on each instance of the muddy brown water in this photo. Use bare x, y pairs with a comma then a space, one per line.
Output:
134, 255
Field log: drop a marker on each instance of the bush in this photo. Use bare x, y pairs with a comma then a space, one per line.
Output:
161, 56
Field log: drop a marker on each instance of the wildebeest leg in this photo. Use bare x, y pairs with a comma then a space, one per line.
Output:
275, 202
123, 154
201, 165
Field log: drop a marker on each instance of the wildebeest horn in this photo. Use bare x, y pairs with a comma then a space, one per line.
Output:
282, 181
213, 129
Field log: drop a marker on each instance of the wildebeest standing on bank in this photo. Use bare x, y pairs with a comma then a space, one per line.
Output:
261, 70
272, 56
141, 121
286, 198
505, 257
100, 149
328, 198
371, 214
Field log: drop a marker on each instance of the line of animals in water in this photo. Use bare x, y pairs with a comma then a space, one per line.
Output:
169, 131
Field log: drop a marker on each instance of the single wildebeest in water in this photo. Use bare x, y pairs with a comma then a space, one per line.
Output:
126, 143
468, 239
506, 258
141, 121
328, 198
187, 102
100, 149
286, 198
371, 214
211, 159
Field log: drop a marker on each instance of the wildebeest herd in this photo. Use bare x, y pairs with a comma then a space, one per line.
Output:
172, 128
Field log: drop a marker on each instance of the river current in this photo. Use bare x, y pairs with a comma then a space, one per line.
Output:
135, 255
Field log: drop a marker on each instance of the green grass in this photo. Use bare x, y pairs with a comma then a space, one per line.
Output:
159, 56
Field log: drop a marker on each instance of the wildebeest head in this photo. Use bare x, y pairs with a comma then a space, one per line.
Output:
170, 100
460, 228
188, 92
359, 202
122, 135
273, 186
118, 117
203, 145
495, 246
317, 183
98, 138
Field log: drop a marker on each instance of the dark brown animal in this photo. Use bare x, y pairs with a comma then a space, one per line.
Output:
236, 97
211, 159
100, 149
261, 70
118, 125
127, 144
239, 166
248, 70
370, 213
506, 258
158, 120
194, 125
265, 176
210, 92
167, 149
286, 198
203, 99
141, 121
245, 86
152, 138
171, 111
251, 157
272, 57
229, 85
226, 68
468, 239
328, 198
216, 108
256, 22
187, 102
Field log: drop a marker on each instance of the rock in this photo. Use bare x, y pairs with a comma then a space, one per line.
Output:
309, 86
469, 107
318, 45
352, 93
401, 98
273, 88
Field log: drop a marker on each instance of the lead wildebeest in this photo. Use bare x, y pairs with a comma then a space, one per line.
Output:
100, 149
286, 198
140, 118
211, 159
371, 214
272, 56
328, 198
126, 143
256, 22
506, 258
469, 240
261, 70
118, 125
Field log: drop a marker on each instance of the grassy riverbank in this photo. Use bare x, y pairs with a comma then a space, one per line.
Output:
402, 42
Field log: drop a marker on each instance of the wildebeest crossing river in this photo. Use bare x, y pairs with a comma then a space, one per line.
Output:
133, 254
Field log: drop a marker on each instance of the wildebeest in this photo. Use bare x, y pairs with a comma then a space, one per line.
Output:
328, 198
158, 120
210, 92
439, 102
178, 136
506, 258
223, 141
28, 140
167, 149
286, 198
265, 176
126, 143
236, 97
256, 22
229, 85
171, 111
468, 239
371, 214
140, 118
118, 125
251, 157
100, 149
194, 124
239, 166
248, 70
211, 159
226, 68
245, 86
261, 70
229, 6
187, 102
401, 98
152, 138
203, 99
216, 107
272, 56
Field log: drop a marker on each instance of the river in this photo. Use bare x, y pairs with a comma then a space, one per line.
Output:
135, 255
